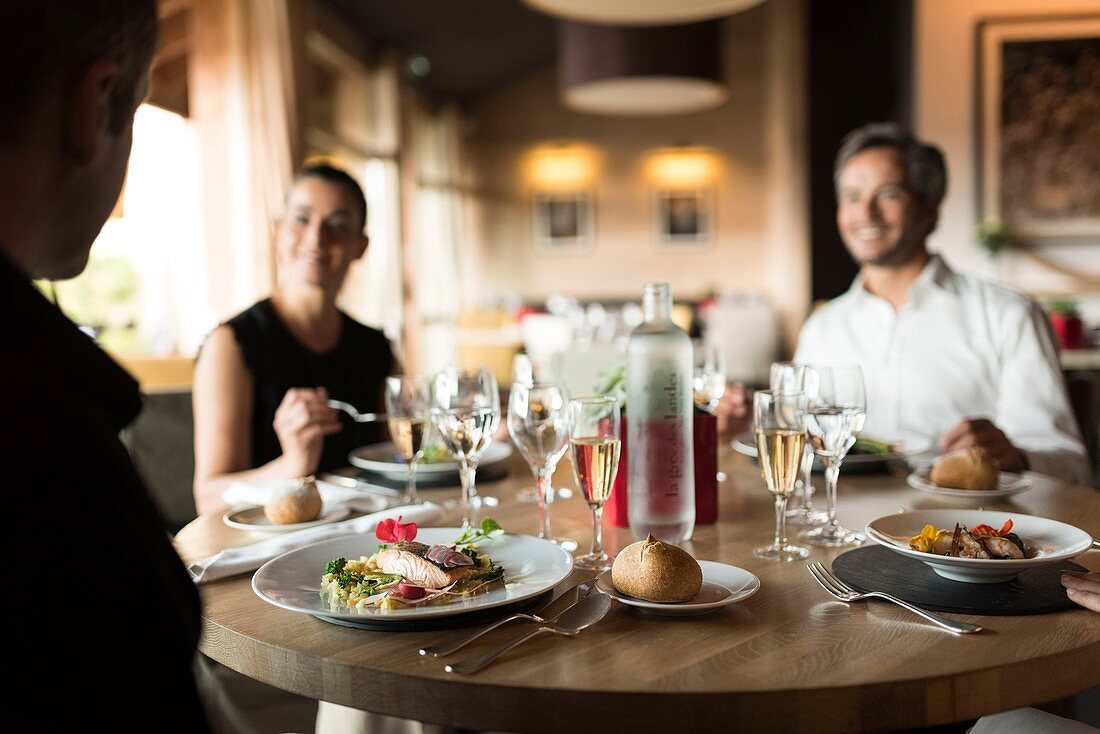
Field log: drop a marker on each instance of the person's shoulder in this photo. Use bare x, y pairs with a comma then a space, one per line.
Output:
364, 333
835, 308
256, 314
996, 296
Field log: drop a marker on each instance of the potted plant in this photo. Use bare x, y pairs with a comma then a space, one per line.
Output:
1067, 324
992, 236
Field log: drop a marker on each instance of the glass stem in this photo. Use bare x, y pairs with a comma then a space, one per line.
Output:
410, 484
832, 473
545, 492
780, 522
469, 496
597, 532
807, 482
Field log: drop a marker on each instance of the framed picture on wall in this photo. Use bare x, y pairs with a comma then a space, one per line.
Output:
683, 218
563, 222
1038, 127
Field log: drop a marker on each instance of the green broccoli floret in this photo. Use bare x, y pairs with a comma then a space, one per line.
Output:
336, 565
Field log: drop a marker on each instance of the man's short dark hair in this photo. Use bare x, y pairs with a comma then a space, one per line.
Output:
48, 41
340, 177
925, 169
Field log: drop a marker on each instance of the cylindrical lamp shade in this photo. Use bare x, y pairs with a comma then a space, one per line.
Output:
641, 12
653, 70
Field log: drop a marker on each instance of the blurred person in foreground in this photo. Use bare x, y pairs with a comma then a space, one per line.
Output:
263, 378
115, 626
947, 357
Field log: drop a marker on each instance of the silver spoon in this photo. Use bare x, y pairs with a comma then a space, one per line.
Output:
584, 613
355, 414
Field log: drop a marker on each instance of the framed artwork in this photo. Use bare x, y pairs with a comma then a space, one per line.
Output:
1038, 129
683, 218
563, 222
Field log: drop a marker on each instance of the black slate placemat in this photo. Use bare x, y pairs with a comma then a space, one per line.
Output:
1034, 591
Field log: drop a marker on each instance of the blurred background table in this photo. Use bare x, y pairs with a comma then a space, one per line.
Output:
787, 659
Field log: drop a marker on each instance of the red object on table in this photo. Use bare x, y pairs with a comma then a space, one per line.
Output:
705, 438
1069, 329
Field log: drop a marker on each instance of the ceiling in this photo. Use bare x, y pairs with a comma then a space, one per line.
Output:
473, 46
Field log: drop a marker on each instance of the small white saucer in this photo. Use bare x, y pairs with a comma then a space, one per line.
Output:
253, 519
1007, 484
722, 585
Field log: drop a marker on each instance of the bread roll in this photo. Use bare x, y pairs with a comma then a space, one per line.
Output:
965, 469
296, 501
656, 571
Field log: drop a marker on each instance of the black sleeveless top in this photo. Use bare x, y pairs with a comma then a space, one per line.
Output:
354, 371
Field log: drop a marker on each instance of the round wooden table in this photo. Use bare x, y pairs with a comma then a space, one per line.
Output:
787, 659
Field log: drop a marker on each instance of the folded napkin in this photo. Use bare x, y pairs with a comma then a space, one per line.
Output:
233, 561
258, 493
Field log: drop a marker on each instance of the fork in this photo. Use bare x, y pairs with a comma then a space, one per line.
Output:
354, 413
847, 594
583, 590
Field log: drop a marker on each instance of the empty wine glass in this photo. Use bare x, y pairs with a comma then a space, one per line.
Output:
779, 427
538, 422
709, 378
408, 406
466, 412
794, 377
594, 444
834, 417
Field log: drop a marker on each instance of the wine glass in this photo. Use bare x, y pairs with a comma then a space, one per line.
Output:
538, 422
466, 411
779, 421
835, 413
709, 378
408, 404
594, 444
794, 377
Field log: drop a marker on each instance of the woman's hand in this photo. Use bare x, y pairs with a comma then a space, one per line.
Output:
733, 411
1083, 588
302, 421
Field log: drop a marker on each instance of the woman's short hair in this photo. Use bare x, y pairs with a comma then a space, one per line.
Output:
925, 169
339, 177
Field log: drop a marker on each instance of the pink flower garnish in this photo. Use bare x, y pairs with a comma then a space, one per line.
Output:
394, 531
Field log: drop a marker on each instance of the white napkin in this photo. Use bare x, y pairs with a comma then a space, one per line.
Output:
233, 561
258, 493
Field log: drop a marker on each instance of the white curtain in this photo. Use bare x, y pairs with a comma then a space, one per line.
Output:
436, 237
246, 105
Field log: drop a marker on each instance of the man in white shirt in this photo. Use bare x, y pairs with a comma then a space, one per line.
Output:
947, 357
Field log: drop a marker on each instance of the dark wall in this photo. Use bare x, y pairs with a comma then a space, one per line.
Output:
861, 70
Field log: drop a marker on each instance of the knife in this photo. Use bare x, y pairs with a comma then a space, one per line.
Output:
581, 615
546, 613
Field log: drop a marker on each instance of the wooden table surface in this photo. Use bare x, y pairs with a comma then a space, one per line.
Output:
787, 659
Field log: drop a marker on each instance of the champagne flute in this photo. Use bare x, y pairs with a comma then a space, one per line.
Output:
795, 377
538, 422
779, 421
466, 412
408, 402
594, 444
709, 378
834, 418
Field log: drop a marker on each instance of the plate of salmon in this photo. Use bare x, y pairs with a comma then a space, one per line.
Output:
354, 579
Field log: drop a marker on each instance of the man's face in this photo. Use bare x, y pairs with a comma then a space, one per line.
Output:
879, 218
92, 195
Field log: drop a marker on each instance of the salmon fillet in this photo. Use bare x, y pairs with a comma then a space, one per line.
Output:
419, 570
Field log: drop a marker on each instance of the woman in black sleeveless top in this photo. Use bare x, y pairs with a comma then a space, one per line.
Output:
263, 377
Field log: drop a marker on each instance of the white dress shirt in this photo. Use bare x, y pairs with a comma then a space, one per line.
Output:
959, 348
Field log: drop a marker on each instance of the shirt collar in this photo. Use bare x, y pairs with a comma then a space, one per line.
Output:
937, 274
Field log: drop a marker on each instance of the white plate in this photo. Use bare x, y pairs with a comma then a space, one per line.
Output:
293, 580
253, 518
1055, 541
1007, 484
382, 458
744, 444
722, 584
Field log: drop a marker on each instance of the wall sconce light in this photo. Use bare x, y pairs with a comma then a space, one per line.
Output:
682, 167
560, 167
